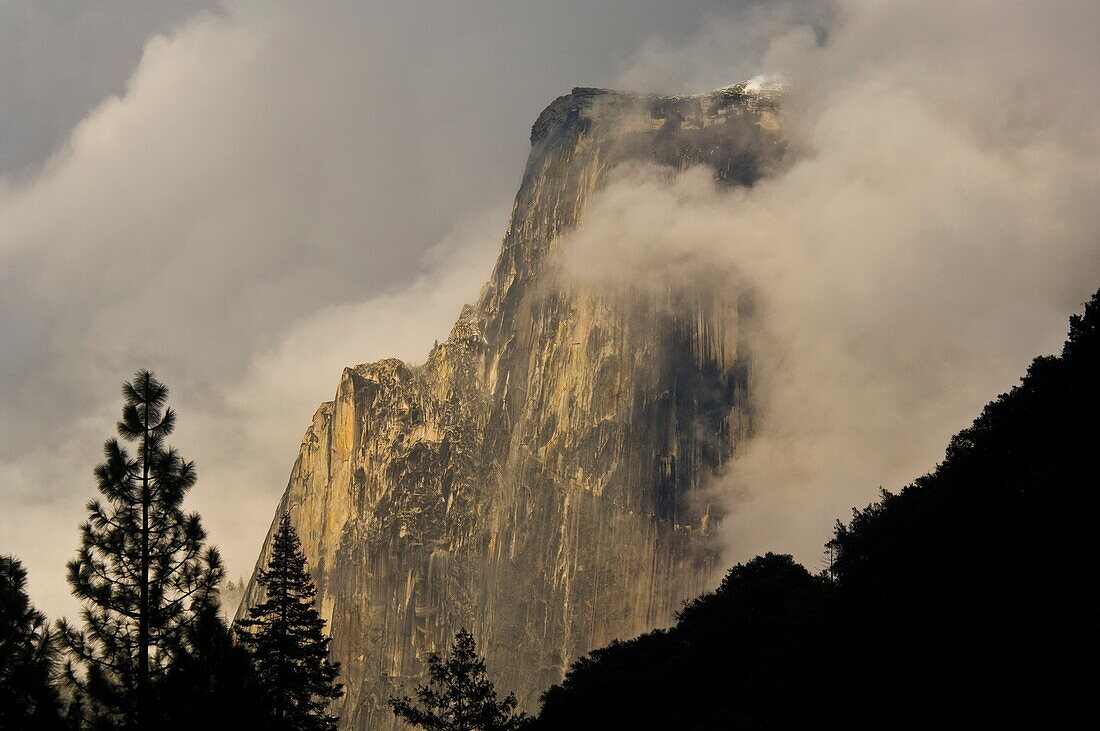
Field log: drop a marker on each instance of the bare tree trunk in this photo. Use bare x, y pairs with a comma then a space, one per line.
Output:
143, 610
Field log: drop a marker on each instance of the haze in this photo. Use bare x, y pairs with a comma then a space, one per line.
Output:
247, 197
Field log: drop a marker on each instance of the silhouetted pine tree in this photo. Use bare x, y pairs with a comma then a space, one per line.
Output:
459, 696
286, 637
28, 699
141, 568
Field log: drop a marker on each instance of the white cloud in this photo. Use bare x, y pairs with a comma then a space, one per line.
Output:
253, 208
241, 224
935, 229
257, 209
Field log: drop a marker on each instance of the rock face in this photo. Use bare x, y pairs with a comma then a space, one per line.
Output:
539, 479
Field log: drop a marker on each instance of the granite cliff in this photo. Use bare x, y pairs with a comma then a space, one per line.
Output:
540, 479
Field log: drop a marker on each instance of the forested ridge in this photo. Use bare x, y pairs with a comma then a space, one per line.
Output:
964, 597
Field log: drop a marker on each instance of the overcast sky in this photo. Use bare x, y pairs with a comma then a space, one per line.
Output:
246, 197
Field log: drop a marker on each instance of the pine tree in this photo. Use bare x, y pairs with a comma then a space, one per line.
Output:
28, 656
286, 637
141, 569
459, 696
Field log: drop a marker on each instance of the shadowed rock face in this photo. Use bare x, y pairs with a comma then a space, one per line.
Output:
540, 478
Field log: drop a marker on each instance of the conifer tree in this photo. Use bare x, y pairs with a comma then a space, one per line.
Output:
142, 567
286, 637
459, 696
28, 655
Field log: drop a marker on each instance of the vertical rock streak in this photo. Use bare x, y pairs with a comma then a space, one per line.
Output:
539, 479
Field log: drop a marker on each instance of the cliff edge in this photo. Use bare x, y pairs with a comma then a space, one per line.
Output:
540, 478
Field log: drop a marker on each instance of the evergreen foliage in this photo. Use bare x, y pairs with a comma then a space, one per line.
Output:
286, 638
961, 600
210, 683
28, 656
459, 696
141, 570
740, 657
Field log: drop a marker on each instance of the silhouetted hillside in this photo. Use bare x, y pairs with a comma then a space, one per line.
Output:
965, 597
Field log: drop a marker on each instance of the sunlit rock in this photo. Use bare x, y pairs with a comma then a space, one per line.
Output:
541, 478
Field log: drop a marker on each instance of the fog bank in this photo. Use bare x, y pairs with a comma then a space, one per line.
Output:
933, 230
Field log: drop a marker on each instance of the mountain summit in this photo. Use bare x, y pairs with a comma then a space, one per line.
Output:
540, 478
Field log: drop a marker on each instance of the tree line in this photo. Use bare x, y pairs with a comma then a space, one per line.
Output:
962, 599
151, 649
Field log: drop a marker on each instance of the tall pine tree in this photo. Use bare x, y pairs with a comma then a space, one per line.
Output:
287, 639
142, 567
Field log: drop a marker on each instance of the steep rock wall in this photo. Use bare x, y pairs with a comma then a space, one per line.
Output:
539, 479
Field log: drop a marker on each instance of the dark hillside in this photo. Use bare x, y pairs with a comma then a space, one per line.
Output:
966, 597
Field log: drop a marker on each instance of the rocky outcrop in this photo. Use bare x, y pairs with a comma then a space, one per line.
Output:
539, 479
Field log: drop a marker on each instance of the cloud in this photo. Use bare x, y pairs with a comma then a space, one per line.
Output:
728, 49
60, 58
247, 197
934, 230
251, 440
244, 223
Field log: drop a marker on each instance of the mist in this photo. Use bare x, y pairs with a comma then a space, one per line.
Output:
933, 228
247, 198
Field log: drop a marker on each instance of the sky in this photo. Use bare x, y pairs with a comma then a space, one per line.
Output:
246, 197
